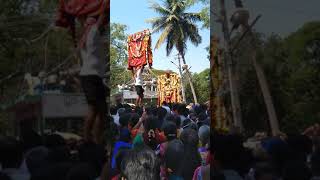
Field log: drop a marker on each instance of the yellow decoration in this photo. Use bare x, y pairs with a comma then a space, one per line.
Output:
218, 110
169, 87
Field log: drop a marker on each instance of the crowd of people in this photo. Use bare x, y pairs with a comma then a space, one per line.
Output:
168, 142
262, 157
165, 142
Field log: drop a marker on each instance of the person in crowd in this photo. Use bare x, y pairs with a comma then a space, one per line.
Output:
173, 160
191, 157
141, 163
122, 143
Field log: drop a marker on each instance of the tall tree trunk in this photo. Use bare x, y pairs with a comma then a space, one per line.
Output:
190, 81
232, 75
274, 124
182, 84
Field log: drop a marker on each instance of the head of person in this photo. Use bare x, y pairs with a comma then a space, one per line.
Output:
113, 110
150, 134
141, 163
182, 110
161, 113
175, 119
134, 119
192, 158
173, 157
204, 134
138, 110
170, 131
175, 107
124, 120
121, 111
164, 103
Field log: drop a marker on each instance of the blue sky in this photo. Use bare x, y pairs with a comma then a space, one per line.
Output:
134, 14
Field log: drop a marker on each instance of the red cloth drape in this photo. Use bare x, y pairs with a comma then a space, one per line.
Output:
69, 10
139, 49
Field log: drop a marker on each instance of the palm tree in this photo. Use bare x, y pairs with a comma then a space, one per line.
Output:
177, 26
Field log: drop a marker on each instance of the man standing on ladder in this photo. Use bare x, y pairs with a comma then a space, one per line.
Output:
92, 16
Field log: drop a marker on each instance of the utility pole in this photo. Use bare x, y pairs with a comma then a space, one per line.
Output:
235, 101
182, 85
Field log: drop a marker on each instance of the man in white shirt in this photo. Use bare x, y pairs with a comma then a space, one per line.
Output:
138, 82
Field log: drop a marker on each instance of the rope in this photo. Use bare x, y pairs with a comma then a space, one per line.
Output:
43, 34
64, 62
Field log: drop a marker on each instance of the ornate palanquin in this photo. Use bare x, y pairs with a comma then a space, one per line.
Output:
169, 87
139, 49
218, 110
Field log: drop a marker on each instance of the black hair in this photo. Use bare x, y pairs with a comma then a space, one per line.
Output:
164, 103
175, 106
150, 135
124, 120
170, 130
151, 110
138, 110
161, 114
182, 110
141, 164
192, 158
175, 119
202, 116
174, 155
113, 110
186, 122
134, 119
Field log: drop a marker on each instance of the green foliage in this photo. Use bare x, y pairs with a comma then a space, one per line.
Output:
201, 85
292, 76
118, 56
177, 25
21, 22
